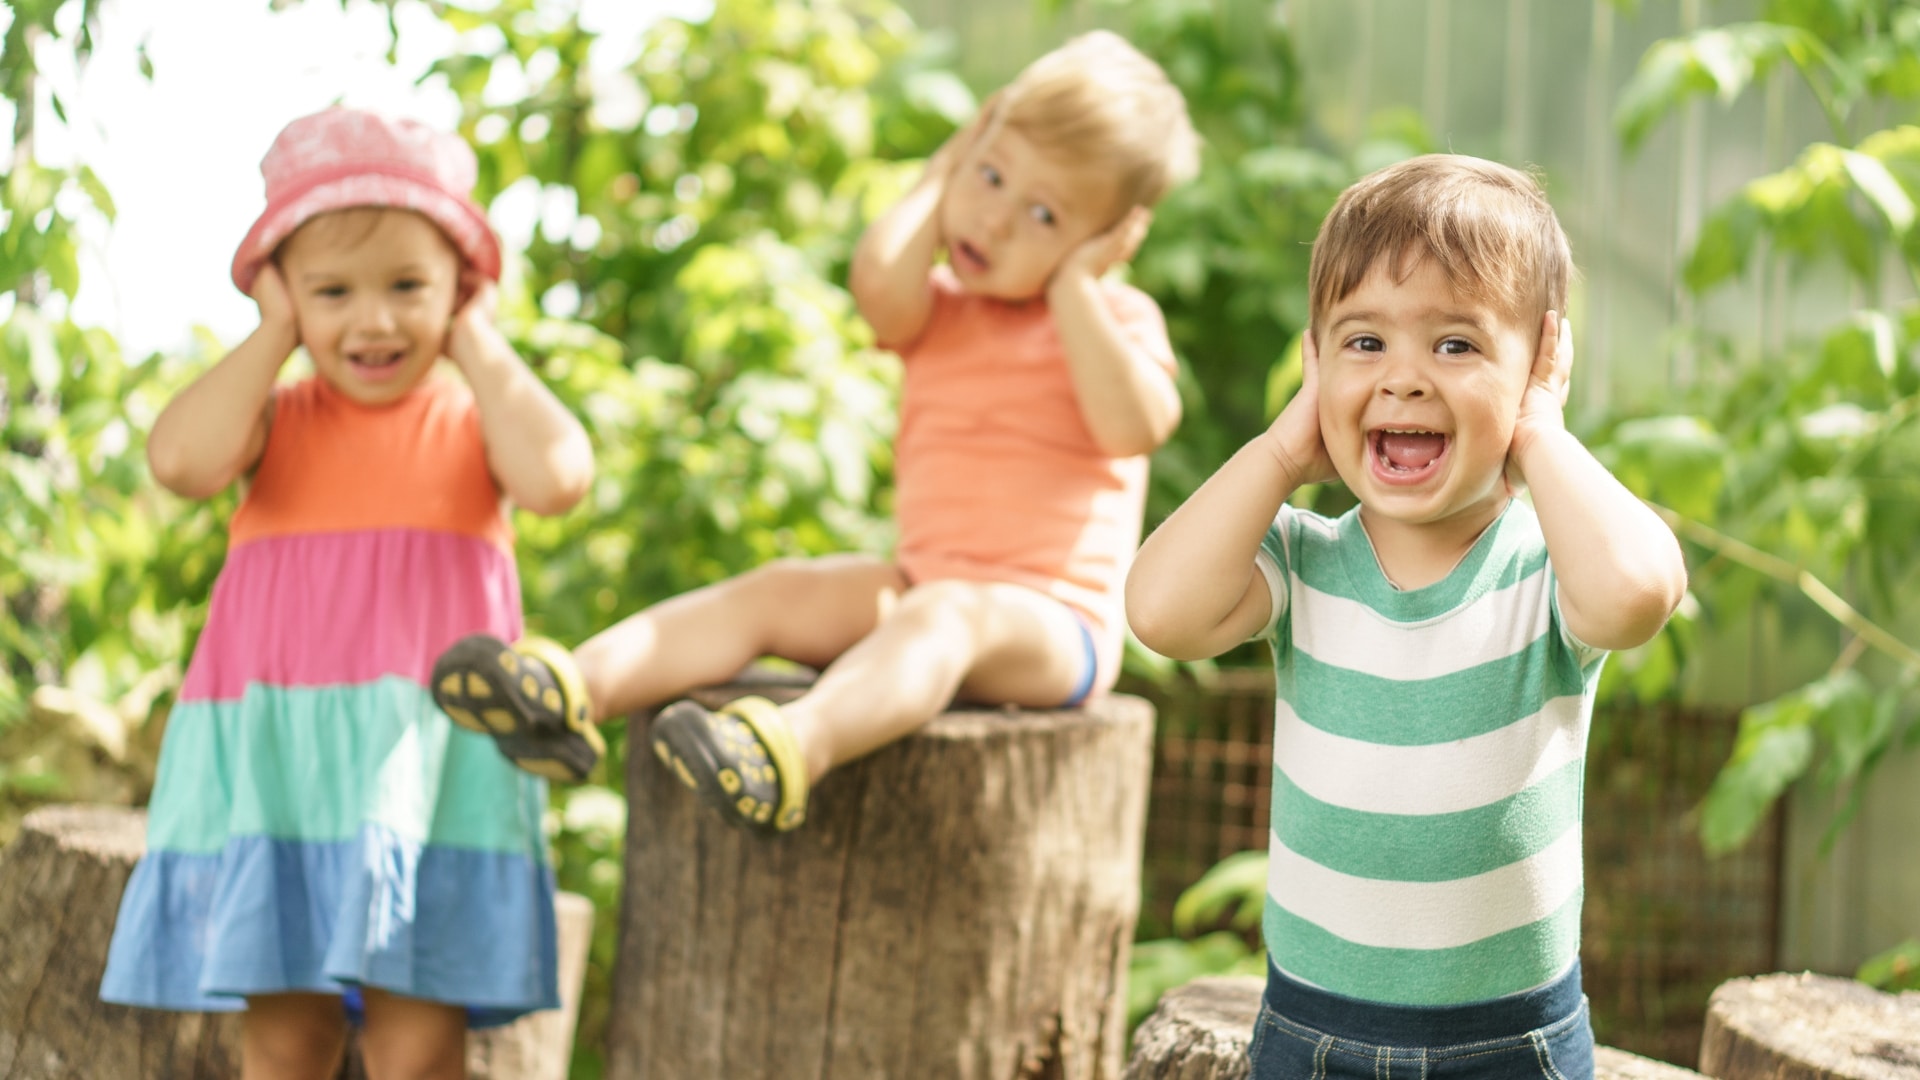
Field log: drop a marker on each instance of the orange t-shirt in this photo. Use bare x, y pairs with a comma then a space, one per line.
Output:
997, 477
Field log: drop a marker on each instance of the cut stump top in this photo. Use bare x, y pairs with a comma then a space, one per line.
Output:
1816, 1026
1201, 1031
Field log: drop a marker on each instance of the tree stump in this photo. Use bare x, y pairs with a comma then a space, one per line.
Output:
1202, 1030
958, 904
60, 886
1810, 1027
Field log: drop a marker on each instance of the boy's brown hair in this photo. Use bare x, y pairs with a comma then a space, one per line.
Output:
1097, 102
1487, 226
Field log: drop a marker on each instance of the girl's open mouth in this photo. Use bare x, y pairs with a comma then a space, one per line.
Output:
969, 258
376, 364
1406, 455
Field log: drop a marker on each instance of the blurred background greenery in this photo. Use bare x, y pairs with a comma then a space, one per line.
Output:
1739, 178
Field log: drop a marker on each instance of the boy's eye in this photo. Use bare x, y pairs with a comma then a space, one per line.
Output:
1041, 214
1366, 343
991, 175
408, 284
1456, 347
331, 292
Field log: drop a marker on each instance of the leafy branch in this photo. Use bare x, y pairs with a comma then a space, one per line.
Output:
1779, 569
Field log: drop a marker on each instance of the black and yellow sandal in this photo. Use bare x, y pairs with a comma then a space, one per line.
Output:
742, 759
528, 696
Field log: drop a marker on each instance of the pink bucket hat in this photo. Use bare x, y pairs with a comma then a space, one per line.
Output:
343, 158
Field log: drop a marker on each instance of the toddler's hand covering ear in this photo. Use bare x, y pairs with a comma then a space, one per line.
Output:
1104, 251
271, 295
473, 318
1294, 437
1543, 404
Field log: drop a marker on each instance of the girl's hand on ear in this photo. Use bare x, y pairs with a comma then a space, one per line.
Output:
1543, 406
1295, 437
1104, 251
275, 301
473, 321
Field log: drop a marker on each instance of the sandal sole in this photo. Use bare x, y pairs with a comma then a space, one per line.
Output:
482, 685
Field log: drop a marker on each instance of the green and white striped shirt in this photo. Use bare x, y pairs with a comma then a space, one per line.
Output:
1429, 750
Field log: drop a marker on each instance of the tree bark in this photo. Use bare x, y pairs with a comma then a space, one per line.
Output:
1201, 1031
958, 904
1810, 1027
60, 886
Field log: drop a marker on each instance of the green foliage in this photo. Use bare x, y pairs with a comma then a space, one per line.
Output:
1234, 307
1793, 466
738, 410
1218, 920
91, 584
1896, 970
1236, 884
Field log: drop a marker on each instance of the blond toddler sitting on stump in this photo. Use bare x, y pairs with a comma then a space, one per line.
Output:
1034, 389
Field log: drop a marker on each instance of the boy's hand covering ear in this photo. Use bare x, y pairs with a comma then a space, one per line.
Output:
1543, 404
1103, 251
1294, 437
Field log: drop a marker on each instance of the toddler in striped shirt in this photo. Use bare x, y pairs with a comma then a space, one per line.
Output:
1436, 648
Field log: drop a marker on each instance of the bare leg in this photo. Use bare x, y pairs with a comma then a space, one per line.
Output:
410, 1039
805, 610
292, 1037
989, 642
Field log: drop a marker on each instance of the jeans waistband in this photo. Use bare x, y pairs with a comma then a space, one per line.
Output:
1384, 1024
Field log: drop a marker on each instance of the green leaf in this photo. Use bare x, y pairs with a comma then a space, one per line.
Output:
1723, 61
1863, 356
1895, 970
1851, 717
1284, 378
1237, 882
1725, 244
1871, 176
1773, 749
1676, 460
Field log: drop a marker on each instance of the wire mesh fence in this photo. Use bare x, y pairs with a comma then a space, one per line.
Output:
1663, 924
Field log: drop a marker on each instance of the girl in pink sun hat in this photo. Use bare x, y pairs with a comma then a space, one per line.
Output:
323, 846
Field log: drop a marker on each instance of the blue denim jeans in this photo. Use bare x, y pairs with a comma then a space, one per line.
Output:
1305, 1033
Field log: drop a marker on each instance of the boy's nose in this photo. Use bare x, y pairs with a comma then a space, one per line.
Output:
1403, 377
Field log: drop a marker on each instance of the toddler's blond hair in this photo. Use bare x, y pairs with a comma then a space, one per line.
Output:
1487, 226
1097, 102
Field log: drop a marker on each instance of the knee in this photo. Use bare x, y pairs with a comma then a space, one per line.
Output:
942, 606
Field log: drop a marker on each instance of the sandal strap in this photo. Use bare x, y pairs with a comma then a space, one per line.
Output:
763, 717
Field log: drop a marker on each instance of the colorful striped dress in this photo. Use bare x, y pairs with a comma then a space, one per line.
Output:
317, 824
1429, 750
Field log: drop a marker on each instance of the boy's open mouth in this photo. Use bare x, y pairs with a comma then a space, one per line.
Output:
1404, 455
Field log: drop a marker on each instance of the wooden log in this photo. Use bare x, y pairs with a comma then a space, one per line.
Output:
1201, 1031
60, 886
1810, 1027
958, 904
